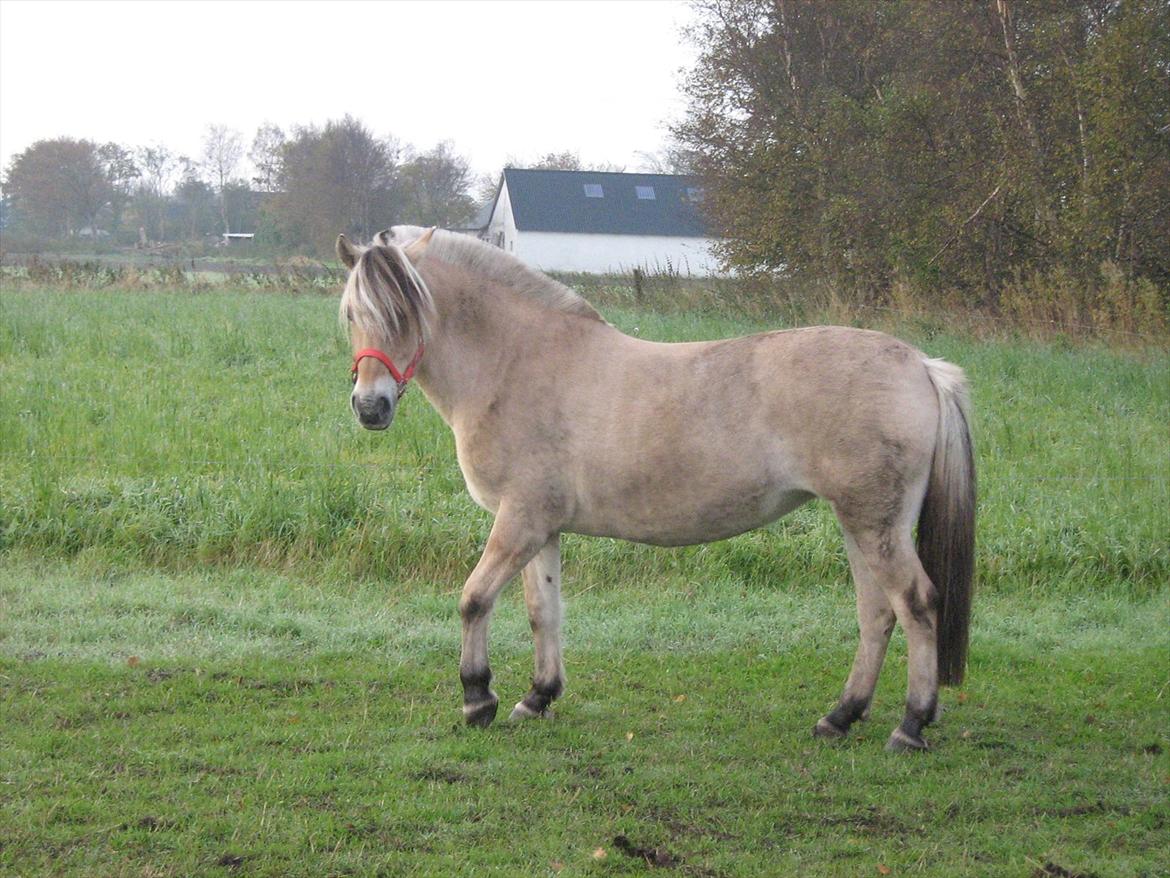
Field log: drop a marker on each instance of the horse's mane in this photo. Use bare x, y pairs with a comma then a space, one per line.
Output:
491, 262
385, 296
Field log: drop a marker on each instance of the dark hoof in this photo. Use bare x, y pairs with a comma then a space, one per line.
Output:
825, 729
900, 742
480, 714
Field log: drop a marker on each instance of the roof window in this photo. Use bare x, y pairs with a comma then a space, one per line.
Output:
644, 193
593, 190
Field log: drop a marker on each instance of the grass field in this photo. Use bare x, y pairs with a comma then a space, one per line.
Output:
228, 637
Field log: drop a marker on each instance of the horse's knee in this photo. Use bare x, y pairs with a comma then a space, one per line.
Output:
472, 608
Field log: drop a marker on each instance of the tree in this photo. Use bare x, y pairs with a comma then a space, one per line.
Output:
195, 204
59, 186
119, 168
334, 179
266, 156
954, 145
569, 160
485, 187
222, 151
671, 159
158, 168
434, 187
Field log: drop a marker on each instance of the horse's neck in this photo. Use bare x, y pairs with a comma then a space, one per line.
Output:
478, 334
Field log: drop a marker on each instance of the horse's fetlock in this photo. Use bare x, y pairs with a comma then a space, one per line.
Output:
476, 684
919, 714
542, 694
848, 711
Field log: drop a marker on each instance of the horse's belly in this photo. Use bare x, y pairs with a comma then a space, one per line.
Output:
688, 519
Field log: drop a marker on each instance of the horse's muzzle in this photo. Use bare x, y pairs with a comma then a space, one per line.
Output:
373, 412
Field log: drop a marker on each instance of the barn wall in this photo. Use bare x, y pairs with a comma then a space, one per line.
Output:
501, 230
602, 254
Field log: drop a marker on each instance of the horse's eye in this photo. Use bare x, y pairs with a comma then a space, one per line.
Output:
349, 314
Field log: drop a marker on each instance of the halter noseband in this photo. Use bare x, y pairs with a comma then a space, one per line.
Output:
402, 378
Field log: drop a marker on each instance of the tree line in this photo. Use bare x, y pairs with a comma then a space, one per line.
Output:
307, 185
936, 145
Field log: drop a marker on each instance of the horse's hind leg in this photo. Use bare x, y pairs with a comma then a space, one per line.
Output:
542, 595
875, 620
891, 565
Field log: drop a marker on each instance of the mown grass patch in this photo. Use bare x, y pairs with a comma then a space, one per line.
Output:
200, 724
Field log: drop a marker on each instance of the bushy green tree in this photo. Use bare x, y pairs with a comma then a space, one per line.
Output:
434, 188
62, 187
954, 145
337, 178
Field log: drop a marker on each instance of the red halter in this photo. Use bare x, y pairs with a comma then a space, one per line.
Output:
402, 378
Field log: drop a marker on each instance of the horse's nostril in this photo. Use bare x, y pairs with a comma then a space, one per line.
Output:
372, 411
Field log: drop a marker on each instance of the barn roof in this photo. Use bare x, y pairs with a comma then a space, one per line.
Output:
604, 202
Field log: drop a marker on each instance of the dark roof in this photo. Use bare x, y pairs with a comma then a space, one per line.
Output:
555, 201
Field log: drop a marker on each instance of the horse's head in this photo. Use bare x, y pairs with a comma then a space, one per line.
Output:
388, 310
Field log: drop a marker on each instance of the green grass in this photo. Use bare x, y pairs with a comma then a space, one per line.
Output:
162, 724
180, 431
228, 637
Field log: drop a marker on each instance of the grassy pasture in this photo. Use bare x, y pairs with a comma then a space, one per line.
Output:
228, 635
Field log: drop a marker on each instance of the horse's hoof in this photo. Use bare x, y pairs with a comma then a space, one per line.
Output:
828, 731
522, 712
480, 714
900, 742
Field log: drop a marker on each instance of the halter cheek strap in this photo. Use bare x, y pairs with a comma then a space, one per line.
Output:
401, 378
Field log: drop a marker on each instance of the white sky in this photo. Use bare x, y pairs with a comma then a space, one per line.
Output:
497, 78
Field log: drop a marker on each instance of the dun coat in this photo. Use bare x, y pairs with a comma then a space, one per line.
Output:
564, 424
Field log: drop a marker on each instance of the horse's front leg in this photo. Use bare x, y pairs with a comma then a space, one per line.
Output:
512, 543
542, 594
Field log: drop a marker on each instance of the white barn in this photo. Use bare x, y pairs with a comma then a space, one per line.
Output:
600, 222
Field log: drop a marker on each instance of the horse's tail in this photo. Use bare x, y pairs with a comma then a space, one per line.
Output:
946, 525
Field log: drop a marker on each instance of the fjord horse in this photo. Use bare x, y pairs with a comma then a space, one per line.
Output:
564, 424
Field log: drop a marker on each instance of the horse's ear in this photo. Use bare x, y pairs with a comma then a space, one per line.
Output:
418, 246
384, 237
346, 252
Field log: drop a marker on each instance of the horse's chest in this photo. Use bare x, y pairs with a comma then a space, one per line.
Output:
482, 491
482, 473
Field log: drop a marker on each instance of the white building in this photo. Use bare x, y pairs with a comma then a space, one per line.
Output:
600, 222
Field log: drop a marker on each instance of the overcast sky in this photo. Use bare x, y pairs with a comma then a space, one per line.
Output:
498, 78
